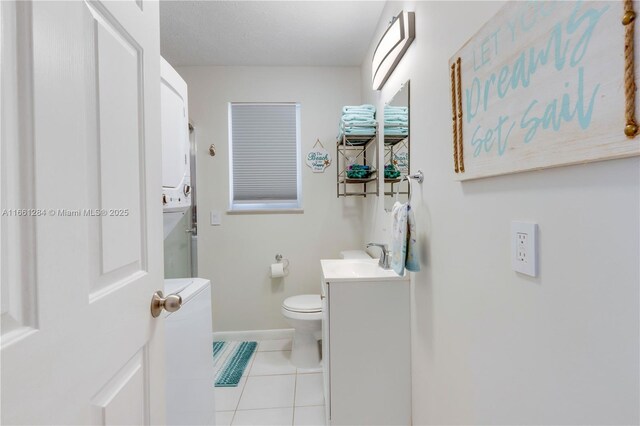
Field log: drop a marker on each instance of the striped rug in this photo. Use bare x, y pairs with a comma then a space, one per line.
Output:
230, 359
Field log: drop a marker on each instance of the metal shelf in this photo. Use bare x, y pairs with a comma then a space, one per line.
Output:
392, 145
356, 140
357, 181
361, 149
391, 140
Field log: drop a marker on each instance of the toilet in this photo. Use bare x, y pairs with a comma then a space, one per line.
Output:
304, 314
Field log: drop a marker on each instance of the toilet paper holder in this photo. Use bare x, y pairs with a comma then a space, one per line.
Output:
285, 263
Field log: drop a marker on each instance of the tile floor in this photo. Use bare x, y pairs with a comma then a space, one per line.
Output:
272, 391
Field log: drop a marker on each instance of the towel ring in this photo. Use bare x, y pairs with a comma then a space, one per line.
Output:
418, 176
397, 192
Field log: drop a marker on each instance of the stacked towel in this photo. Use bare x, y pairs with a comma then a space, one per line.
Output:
358, 120
396, 121
396, 131
366, 108
359, 171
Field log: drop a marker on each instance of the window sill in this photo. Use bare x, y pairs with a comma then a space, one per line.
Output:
266, 211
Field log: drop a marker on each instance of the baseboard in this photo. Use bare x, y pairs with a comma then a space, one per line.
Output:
283, 333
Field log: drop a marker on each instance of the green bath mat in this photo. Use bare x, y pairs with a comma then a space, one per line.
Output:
217, 349
239, 354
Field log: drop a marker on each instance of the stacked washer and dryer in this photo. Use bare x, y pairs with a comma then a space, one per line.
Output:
176, 159
176, 172
188, 331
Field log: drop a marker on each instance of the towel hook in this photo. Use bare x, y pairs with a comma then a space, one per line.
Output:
419, 176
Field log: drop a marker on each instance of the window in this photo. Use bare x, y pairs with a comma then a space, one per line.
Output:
265, 171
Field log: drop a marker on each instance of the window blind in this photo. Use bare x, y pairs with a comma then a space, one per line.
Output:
264, 140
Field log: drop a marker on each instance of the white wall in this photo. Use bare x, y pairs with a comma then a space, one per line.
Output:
490, 346
236, 255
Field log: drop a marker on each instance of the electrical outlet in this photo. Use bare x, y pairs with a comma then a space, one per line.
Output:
523, 248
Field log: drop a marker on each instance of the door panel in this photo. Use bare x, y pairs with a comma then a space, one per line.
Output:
120, 140
19, 308
122, 400
118, 158
94, 354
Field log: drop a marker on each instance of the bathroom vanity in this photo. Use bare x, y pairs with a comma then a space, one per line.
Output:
366, 344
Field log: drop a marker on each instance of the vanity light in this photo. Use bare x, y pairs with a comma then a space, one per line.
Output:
394, 42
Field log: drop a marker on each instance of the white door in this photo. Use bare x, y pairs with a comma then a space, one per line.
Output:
81, 146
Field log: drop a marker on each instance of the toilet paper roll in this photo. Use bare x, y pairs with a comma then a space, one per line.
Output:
277, 270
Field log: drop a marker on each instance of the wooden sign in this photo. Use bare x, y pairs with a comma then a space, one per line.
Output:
318, 158
542, 85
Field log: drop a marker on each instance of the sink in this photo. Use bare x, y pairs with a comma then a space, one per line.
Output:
357, 270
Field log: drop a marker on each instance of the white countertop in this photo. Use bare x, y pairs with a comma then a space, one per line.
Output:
354, 270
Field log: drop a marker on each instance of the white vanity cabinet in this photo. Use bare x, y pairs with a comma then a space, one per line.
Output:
366, 348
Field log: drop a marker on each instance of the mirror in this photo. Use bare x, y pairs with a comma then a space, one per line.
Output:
396, 147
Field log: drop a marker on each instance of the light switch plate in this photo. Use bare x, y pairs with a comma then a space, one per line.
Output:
216, 217
524, 248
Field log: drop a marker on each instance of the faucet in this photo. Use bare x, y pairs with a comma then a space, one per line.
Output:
385, 260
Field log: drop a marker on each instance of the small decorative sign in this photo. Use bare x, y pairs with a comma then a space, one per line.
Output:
401, 161
318, 158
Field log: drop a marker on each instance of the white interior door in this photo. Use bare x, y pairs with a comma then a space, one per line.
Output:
81, 146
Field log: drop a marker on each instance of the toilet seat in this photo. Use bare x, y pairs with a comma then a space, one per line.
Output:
304, 303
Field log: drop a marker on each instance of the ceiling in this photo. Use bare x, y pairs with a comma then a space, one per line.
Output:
272, 33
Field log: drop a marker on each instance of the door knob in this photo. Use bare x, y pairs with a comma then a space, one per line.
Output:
171, 303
